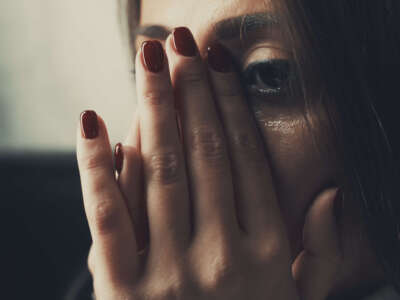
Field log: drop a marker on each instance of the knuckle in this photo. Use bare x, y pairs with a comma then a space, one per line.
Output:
164, 168
269, 252
192, 78
166, 287
221, 273
96, 168
95, 162
156, 97
166, 293
104, 215
218, 267
209, 145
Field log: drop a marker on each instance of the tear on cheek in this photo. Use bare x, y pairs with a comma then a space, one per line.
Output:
285, 127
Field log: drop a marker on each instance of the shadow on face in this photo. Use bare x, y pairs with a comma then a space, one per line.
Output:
251, 31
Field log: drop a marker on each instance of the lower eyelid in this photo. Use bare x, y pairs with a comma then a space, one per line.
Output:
265, 93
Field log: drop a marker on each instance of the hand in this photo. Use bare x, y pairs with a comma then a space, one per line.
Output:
215, 227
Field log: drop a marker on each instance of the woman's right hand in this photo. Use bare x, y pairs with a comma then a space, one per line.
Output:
221, 261
130, 184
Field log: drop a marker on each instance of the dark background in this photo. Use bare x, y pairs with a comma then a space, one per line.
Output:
46, 238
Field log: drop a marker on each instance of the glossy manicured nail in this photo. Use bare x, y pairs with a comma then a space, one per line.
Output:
219, 58
153, 56
89, 124
184, 42
118, 157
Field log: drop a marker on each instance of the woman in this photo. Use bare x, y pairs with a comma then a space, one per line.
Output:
279, 180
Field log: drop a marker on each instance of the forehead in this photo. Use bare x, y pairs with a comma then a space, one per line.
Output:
198, 15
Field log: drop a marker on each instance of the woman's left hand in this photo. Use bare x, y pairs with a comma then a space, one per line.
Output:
215, 227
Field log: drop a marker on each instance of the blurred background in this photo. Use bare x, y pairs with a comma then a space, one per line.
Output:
57, 58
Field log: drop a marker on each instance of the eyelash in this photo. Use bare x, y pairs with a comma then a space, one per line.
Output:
280, 65
267, 77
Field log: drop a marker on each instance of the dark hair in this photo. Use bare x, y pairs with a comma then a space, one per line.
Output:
353, 48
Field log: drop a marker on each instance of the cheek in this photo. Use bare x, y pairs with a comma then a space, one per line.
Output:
298, 169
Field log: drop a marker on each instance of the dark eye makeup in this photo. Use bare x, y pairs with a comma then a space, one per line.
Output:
267, 77
264, 78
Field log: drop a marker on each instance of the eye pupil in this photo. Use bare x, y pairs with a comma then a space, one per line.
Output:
267, 77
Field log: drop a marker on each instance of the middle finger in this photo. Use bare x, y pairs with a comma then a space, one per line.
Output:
207, 158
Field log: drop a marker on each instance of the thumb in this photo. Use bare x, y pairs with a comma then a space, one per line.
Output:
316, 267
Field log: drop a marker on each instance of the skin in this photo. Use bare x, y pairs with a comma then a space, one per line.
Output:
286, 137
285, 192
283, 128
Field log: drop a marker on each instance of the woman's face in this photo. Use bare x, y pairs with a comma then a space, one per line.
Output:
299, 171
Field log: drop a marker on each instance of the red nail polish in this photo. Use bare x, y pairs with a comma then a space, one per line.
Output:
219, 58
118, 157
153, 56
89, 124
184, 42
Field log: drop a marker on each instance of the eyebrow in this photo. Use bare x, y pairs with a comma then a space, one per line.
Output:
230, 28
240, 26
152, 31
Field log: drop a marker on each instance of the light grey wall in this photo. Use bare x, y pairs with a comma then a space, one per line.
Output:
57, 58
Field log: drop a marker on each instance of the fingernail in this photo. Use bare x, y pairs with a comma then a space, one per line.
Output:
184, 42
338, 205
219, 58
89, 124
153, 56
118, 157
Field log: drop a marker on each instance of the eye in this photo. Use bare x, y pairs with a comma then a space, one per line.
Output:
267, 77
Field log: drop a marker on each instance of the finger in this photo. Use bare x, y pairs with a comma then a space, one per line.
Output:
130, 180
206, 152
256, 200
163, 160
109, 223
131, 183
90, 261
133, 138
316, 267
